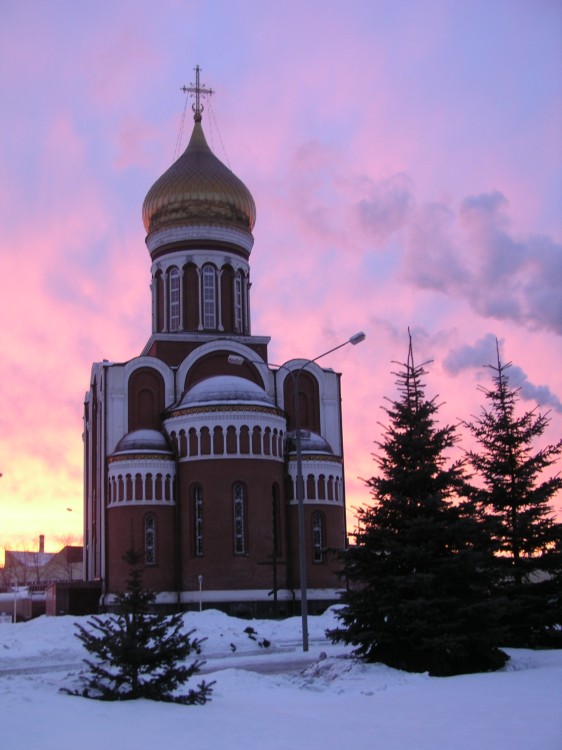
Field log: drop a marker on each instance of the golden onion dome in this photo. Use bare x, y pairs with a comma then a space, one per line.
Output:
196, 189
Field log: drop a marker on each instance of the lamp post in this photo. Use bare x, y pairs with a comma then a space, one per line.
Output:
357, 338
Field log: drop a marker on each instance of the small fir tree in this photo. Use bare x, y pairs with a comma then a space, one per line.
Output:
515, 502
418, 598
140, 654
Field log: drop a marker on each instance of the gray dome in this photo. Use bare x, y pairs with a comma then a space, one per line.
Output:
143, 440
226, 388
310, 443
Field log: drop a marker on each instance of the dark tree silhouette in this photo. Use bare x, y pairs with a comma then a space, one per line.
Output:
140, 654
418, 593
515, 502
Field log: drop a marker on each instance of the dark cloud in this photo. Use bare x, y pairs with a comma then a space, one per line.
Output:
483, 353
476, 355
541, 394
473, 255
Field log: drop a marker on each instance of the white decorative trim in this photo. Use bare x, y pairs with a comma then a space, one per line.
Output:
168, 235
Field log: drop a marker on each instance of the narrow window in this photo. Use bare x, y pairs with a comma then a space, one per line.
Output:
183, 444
231, 441
317, 537
311, 487
174, 299
238, 303
244, 440
149, 492
218, 441
275, 520
129, 486
149, 540
198, 518
239, 519
209, 297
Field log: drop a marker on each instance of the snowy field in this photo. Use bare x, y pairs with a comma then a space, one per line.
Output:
276, 697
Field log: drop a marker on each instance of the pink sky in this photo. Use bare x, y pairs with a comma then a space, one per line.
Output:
406, 162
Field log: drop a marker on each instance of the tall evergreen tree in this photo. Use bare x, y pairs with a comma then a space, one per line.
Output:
139, 654
515, 500
418, 598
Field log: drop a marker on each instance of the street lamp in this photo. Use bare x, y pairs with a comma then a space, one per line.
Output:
235, 359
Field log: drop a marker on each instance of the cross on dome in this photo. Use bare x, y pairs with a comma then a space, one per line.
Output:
197, 90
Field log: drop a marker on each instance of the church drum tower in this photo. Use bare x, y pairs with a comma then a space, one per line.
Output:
189, 448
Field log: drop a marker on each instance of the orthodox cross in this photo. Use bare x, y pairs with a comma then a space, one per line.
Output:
197, 90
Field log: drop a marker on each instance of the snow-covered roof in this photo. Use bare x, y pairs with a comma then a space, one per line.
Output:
30, 558
143, 440
310, 442
226, 388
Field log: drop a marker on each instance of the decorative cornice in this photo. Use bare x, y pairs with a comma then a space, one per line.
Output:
323, 457
225, 408
141, 457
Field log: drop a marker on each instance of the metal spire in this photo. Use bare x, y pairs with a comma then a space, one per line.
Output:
197, 90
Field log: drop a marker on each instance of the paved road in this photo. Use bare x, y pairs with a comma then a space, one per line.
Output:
281, 660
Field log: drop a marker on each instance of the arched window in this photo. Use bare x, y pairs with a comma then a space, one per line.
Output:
198, 519
209, 297
139, 494
244, 439
317, 537
146, 399
193, 442
256, 441
231, 441
149, 491
311, 487
205, 441
149, 539
158, 487
174, 300
183, 444
218, 441
239, 498
238, 314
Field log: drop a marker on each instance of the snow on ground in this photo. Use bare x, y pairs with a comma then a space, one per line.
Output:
317, 700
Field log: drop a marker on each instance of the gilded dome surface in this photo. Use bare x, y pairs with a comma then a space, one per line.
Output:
198, 188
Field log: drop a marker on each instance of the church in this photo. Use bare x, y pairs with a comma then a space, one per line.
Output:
192, 449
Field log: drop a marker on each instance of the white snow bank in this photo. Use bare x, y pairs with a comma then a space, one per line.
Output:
321, 699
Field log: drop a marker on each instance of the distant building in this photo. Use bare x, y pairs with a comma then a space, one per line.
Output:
36, 568
190, 447
26, 576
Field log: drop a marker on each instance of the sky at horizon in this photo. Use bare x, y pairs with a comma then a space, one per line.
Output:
405, 158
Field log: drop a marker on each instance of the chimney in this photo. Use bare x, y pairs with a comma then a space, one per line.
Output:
41, 542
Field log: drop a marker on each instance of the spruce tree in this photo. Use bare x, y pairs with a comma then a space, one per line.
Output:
138, 653
417, 596
515, 501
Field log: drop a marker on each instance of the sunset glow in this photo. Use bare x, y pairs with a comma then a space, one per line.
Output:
405, 159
